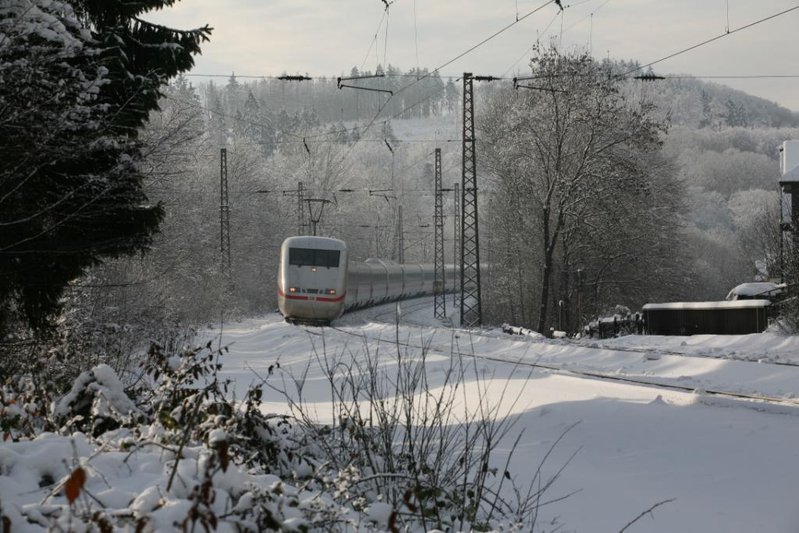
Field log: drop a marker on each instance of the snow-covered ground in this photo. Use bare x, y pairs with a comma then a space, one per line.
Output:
719, 445
729, 464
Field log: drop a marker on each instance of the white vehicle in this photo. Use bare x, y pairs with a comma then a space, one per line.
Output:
311, 279
317, 282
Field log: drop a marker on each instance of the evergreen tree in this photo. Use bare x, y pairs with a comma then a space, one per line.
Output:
77, 82
707, 111
736, 114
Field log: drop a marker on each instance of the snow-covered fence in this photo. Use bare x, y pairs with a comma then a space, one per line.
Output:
616, 325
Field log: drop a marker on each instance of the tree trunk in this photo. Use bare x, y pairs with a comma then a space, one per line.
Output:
549, 250
545, 277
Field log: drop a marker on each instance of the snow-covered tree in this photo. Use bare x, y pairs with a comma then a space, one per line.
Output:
77, 81
571, 164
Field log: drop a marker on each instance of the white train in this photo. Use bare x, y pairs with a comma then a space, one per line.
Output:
317, 282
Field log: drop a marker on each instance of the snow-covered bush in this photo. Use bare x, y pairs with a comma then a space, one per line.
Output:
614, 322
173, 451
24, 408
96, 403
413, 456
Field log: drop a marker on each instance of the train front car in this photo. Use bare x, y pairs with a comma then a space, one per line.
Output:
312, 279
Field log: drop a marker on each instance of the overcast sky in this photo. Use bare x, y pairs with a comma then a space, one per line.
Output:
329, 37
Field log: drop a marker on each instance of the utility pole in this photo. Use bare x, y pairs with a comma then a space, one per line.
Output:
471, 307
439, 303
224, 213
300, 216
580, 282
300, 194
398, 250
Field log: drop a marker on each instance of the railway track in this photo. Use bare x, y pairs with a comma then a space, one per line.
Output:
699, 355
422, 303
590, 374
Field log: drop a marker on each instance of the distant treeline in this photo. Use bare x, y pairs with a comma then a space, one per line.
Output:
273, 105
396, 94
700, 104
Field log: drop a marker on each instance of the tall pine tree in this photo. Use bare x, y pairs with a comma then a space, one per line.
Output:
78, 80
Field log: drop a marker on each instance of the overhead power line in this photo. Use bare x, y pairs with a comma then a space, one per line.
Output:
418, 80
327, 77
475, 47
712, 39
511, 78
436, 71
729, 76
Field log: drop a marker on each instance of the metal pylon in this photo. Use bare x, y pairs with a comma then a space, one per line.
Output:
471, 308
439, 303
456, 243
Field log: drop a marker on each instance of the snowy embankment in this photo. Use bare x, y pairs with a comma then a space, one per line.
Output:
729, 464
715, 464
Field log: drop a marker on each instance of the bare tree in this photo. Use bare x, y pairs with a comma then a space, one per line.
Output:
575, 155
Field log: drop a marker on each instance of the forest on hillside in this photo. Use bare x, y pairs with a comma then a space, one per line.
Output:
374, 175
691, 206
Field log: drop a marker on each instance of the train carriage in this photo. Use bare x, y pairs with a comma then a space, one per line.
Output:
317, 282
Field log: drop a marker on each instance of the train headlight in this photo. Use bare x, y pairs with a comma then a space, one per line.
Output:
293, 289
331, 291
313, 269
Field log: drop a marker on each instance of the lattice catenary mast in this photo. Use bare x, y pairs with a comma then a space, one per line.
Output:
456, 242
471, 309
439, 303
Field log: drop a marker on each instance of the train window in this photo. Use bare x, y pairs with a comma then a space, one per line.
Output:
313, 257
300, 256
331, 258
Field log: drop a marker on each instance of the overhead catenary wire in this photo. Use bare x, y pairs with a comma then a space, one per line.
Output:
416, 36
712, 39
529, 49
505, 76
519, 19
320, 136
436, 71
447, 63
589, 16
727, 27
385, 38
459, 56
484, 41
374, 39
314, 138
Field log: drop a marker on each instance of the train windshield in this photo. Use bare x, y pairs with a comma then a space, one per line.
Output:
314, 257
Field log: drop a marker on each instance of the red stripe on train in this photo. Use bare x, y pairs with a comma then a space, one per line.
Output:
303, 297
325, 299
